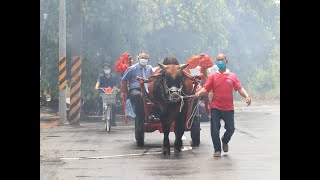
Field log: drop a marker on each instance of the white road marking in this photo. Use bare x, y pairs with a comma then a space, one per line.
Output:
186, 147
103, 157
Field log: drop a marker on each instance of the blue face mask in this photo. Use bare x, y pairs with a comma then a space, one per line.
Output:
107, 71
221, 64
143, 62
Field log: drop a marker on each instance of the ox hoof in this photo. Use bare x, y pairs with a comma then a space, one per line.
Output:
166, 151
177, 146
177, 149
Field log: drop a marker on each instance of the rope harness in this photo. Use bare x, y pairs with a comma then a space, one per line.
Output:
174, 94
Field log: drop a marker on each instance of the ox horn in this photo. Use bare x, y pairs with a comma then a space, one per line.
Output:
162, 66
184, 66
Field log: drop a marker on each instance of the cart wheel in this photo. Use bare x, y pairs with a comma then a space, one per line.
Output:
107, 119
139, 131
195, 131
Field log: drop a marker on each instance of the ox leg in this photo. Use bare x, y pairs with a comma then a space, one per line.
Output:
179, 134
166, 130
179, 128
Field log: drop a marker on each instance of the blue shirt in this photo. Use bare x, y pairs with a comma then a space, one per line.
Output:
133, 71
107, 82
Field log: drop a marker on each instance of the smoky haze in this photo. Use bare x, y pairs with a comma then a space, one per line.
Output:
246, 31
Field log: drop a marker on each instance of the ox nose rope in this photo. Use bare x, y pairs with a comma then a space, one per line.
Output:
182, 102
175, 99
194, 110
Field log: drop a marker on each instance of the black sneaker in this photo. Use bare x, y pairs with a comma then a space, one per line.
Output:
225, 147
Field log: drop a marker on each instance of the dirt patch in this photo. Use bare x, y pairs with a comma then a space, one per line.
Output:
50, 124
49, 158
49, 116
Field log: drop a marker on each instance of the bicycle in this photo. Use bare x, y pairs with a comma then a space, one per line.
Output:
108, 99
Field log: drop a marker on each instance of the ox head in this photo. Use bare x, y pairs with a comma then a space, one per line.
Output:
173, 77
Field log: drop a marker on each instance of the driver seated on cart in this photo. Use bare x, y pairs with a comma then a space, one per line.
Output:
106, 79
141, 69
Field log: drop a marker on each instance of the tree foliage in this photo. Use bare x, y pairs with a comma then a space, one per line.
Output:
247, 31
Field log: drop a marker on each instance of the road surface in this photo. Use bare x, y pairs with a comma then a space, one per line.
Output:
88, 152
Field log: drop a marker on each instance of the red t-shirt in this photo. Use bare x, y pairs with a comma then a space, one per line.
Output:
222, 86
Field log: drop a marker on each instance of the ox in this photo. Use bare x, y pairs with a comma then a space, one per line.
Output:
166, 87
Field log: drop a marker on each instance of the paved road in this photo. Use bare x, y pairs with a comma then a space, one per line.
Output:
87, 152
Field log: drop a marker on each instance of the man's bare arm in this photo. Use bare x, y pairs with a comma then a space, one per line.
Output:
201, 92
97, 85
244, 94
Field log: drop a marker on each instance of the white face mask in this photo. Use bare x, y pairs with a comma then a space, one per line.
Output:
106, 71
143, 62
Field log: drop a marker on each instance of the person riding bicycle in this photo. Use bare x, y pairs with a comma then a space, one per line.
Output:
106, 79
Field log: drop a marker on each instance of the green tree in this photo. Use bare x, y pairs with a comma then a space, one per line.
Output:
247, 31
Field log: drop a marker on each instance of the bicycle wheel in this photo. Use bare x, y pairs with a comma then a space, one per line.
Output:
107, 118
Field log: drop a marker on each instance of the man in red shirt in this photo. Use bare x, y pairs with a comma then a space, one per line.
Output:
221, 83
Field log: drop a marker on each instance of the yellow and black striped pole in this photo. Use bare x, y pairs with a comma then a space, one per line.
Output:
62, 73
75, 97
62, 90
75, 93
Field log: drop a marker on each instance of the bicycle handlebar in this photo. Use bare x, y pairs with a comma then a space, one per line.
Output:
114, 89
102, 90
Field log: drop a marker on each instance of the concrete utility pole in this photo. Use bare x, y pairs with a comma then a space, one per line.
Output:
62, 62
75, 93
